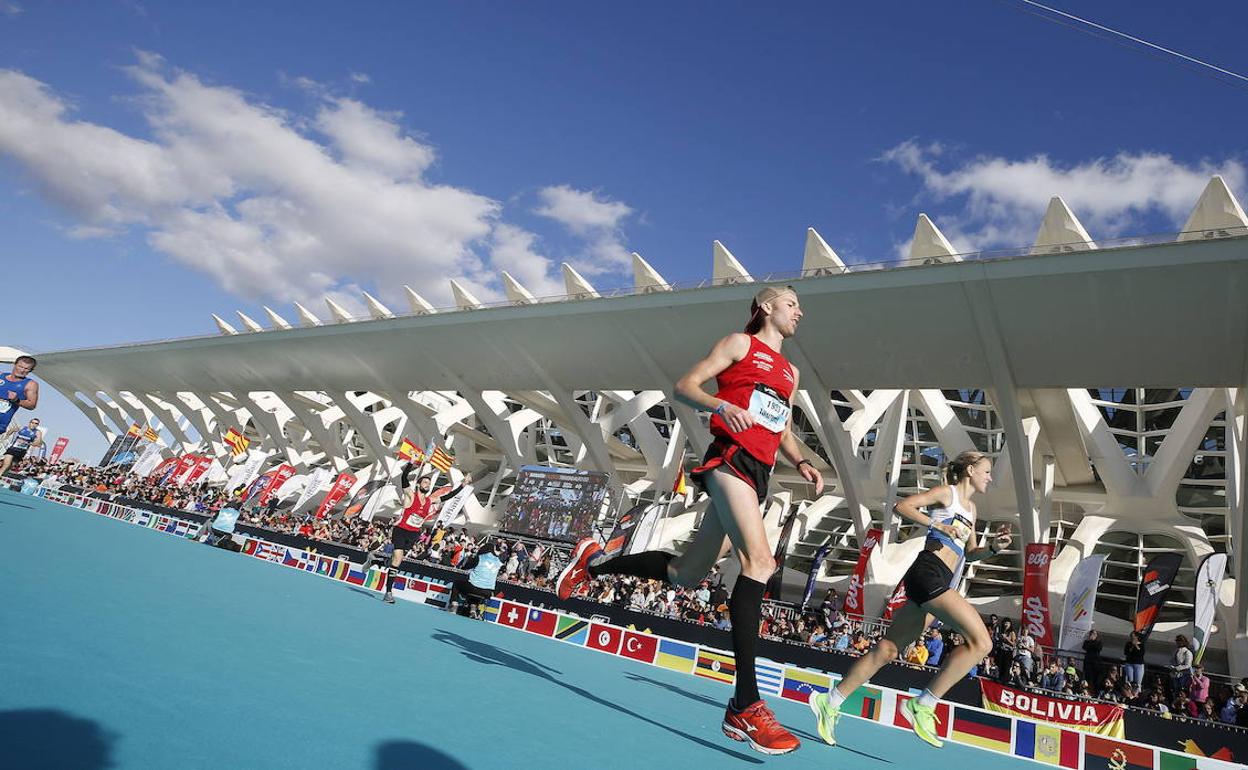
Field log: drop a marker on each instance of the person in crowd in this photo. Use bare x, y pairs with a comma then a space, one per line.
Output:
481, 580
1133, 659
1025, 651
950, 524
916, 653
935, 647
751, 423
1004, 644
1198, 685
1053, 678
1181, 663
1092, 648
18, 442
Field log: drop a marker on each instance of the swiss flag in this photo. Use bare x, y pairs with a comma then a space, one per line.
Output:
641, 647
513, 615
541, 622
604, 638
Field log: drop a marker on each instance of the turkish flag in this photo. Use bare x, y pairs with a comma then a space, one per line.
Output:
513, 615
641, 647
604, 638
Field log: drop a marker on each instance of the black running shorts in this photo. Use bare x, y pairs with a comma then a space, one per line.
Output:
17, 453
737, 461
927, 578
404, 539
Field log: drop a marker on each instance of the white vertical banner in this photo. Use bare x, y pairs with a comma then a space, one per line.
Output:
643, 532
1208, 581
243, 474
1080, 605
317, 481
453, 507
147, 461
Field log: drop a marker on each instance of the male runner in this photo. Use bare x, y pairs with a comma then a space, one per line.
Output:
17, 390
419, 507
23, 440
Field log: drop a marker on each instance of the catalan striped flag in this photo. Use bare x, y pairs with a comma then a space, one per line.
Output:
716, 665
979, 728
236, 441
150, 434
441, 460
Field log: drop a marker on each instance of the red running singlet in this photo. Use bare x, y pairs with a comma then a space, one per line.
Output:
762, 384
415, 515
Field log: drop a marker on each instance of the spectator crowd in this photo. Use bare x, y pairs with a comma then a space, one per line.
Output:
1182, 689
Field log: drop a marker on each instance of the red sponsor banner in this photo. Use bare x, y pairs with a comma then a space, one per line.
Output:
201, 466
639, 646
513, 615
277, 477
184, 466
895, 602
165, 467
1089, 716
604, 638
337, 491
854, 598
1036, 560
58, 450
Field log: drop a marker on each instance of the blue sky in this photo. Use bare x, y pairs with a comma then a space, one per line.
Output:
161, 162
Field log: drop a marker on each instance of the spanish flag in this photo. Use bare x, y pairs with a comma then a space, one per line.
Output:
409, 451
680, 487
134, 431
441, 460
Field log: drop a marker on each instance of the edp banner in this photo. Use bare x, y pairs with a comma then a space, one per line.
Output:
342, 484
1037, 558
58, 450
855, 594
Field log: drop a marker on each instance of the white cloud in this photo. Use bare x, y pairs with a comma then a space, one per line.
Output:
278, 205
596, 220
10, 8
1002, 201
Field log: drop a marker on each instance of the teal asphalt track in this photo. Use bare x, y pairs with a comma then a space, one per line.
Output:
123, 647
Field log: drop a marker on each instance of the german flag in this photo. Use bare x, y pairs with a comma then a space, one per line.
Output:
979, 728
716, 665
441, 460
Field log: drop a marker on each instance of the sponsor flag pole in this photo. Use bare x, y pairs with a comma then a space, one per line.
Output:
1079, 604
1208, 582
1158, 577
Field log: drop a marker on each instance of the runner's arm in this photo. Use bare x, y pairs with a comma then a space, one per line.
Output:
997, 542
32, 396
689, 391
908, 508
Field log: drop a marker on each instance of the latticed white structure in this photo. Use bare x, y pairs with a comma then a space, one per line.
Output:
1107, 378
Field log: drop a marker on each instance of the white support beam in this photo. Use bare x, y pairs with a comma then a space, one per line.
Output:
1217, 214
819, 258
306, 317
375, 308
516, 293
275, 320
222, 326
337, 312
418, 303
464, 299
725, 268
1061, 231
645, 278
575, 283
929, 245
248, 323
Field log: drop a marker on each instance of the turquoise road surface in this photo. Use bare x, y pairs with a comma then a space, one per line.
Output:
123, 647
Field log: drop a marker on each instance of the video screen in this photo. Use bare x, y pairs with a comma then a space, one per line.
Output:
554, 503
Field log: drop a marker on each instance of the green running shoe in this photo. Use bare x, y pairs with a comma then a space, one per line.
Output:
826, 714
923, 720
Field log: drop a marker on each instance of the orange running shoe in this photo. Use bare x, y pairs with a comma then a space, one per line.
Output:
758, 727
576, 573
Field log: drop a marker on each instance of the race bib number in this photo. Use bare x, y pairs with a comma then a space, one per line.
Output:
5, 405
769, 410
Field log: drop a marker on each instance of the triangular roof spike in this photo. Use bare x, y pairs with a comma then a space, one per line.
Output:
577, 286
275, 320
819, 256
929, 244
306, 317
419, 305
222, 326
337, 312
248, 323
516, 293
645, 277
1061, 230
1217, 210
375, 308
725, 268
463, 298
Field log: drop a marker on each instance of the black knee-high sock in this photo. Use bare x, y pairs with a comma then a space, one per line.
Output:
745, 609
391, 574
648, 564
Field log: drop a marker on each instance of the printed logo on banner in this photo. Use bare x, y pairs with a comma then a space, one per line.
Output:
1107, 754
572, 630
979, 728
716, 665
541, 622
604, 638
677, 656
1046, 743
639, 646
901, 719
513, 615
800, 684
